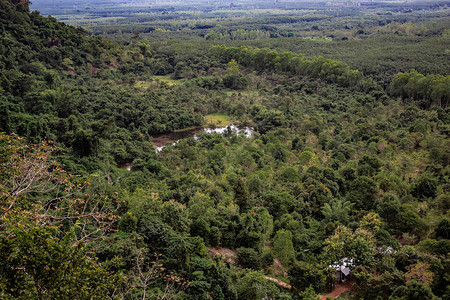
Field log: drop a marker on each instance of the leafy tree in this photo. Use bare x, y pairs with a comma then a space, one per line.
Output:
309, 294
337, 211
283, 247
253, 285
248, 258
36, 264
370, 222
443, 229
336, 246
304, 275
128, 223
362, 193
425, 187
218, 294
241, 195
181, 247
388, 206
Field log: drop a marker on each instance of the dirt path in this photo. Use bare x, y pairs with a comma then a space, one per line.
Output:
279, 282
279, 270
338, 290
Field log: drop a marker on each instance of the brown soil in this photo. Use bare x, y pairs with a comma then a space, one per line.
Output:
279, 282
228, 255
171, 137
279, 269
338, 290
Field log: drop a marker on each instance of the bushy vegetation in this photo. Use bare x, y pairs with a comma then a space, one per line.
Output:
342, 165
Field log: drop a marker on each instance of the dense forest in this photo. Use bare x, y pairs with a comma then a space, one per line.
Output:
341, 176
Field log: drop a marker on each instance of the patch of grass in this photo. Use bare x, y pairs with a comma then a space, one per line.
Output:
147, 84
219, 120
142, 84
167, 80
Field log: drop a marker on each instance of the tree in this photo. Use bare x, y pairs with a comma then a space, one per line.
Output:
309, 294
283, 247
442, 230
388, 207
417, 291
304, 275
362, 249
362, 193
264, 222
336, 246
337, 211
425, 187
181, 247
36, 188
218, 294
241, 195
35, 264
248, 258
359, 246
253, 285
149, 280
128, 223
233, 68
49, 221
370, 222
420, 272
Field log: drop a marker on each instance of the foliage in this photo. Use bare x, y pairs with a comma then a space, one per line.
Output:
335, 163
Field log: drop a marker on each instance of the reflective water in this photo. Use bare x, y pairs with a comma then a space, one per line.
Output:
161, 141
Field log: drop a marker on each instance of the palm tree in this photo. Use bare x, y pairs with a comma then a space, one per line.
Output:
181, 246
337, 210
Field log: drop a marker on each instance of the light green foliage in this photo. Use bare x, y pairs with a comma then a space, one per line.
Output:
128, 223
336, 245
337, 211
241, 195
175, 215
201, 206
307, 158
309, 294
344, 243
35, 264
233, 68
253, 285
331, 147
283, 247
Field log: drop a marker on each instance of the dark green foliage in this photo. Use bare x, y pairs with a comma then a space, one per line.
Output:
416, 290
128, 223
425, 187
442, 230
304, 275
218, 294
35, 264
330, 150
248, 258
433, 89
362, 192
235, 82
241, 195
